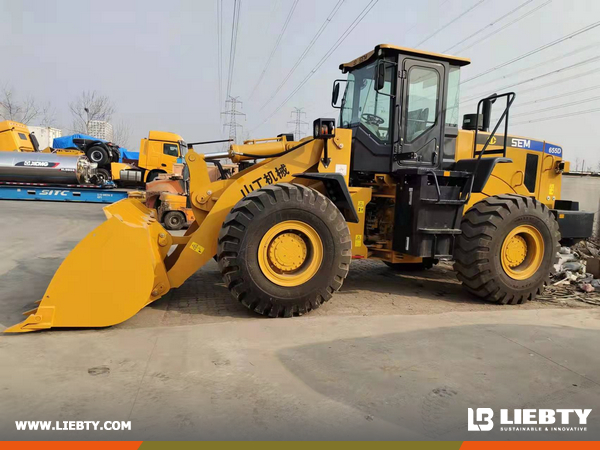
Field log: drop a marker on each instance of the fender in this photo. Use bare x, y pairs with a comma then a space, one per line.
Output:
337, 191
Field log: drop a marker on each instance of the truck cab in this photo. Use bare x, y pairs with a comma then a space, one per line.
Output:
159, 152
15, 136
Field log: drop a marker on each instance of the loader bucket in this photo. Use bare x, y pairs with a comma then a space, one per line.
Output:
109, 276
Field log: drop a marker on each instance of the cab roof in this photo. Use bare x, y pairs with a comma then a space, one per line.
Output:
164, 136
11, 124
454, 60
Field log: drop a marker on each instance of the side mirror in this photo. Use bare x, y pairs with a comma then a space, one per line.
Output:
335, 94
380, 75
336, 102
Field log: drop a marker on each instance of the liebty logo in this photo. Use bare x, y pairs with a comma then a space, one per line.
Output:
483, 415
529, 419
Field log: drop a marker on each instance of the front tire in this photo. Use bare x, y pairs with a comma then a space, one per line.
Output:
284, 250
507, 248
153, 175
174, 220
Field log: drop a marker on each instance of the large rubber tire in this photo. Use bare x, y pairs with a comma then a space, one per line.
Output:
250, 220
116, 155
478, 250
153, 175
98, 155
174, 220
103, 176
426, 264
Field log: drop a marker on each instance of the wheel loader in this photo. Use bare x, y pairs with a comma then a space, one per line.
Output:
397, 180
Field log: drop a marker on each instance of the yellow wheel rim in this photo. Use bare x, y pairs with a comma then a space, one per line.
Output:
522, 252
290, 253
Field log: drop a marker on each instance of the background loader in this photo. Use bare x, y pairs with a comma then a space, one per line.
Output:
397, 181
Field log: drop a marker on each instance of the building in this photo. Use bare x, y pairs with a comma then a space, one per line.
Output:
45, 135
100, 129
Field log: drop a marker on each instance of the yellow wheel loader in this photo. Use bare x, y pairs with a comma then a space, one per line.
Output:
397, 181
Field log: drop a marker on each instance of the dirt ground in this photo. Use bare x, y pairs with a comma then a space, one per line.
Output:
371, 289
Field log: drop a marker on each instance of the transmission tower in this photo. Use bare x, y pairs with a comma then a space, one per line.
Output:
298, 122
232, 113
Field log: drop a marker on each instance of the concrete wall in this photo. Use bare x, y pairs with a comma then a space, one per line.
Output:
584, 189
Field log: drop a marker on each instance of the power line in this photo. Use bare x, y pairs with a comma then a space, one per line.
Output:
306, 50
233, 44
554, 97
533, 52
518, 19
566, 94
341, 39
537, 65
564, 105
561, 116
298, 122
542, 86
449, 23
220, 48
276, 46
572, 66
489, 25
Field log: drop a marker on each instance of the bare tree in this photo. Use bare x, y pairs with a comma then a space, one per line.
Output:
122, 134
11, 108
577, 161
90, 106
47, 116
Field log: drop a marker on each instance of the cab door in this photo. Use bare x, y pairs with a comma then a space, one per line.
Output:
170, 154
422, 121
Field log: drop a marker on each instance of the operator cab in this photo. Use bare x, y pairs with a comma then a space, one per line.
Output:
402, 107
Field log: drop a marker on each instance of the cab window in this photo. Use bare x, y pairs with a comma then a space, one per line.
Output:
423, 98
23, 136
362, 104
171, 150
453, 97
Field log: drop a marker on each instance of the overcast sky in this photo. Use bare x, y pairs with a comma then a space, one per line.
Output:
158, 60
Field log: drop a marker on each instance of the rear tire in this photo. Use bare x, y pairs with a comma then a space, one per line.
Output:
98, 155
277, 221
174, 220
103, 176
486, 263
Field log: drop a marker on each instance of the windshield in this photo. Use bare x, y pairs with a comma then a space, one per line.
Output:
183, 148
362, 104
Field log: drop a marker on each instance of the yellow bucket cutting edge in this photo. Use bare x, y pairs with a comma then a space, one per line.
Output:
109, 276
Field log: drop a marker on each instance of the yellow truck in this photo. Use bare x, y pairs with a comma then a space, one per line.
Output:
158, 152
15, 136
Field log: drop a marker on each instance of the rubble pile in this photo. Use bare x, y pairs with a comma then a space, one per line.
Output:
576, 275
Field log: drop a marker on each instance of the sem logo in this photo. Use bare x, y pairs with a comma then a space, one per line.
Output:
521, 143
481, 420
